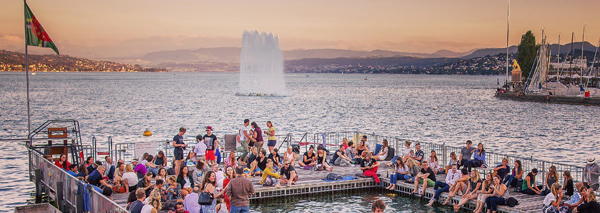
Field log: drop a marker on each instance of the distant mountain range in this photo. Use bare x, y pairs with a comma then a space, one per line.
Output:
231, 55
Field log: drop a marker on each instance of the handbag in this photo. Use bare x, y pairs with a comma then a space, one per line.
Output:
205, 198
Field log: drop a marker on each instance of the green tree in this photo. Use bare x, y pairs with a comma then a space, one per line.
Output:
526, 52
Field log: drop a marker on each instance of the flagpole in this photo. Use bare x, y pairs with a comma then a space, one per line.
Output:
27, 71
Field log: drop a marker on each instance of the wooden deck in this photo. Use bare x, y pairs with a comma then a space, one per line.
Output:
310, 182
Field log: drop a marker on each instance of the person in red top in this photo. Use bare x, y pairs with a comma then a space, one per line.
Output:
229, 175
62, 162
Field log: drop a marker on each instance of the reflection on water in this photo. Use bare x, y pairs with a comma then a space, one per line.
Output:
349, 201
442, 109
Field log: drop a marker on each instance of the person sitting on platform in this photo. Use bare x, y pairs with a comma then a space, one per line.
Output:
383, 152
88, 161
269, 174
425, 176
517, 174
465, 154
485, 192
160, 160
478, 158
322, 160
350, 152
198, 173
138, 168
110, 167
339, 157
406, 153
62, 162
369, 166
591, 172
309, 158
185, 181
400, 170
450, 184
96, 178
230, 160
529, 186
419, 154
413, 170
260, 164
434, 163
453, 160
551, 178
502, 169
552, 201
146, 183
591, 205
358, 151
129, 179
93, 166
471, 193
150, 167
252, 157
287, 174
275, 157
568, 185
499, 195
72, 170
461, 184
290, 155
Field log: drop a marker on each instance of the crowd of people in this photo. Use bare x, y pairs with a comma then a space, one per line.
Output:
153, 185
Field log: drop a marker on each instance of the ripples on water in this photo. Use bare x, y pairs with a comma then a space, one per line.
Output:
441, 109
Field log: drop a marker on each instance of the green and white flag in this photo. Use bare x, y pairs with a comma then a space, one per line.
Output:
35, 35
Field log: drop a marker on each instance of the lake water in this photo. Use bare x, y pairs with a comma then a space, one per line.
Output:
441, 109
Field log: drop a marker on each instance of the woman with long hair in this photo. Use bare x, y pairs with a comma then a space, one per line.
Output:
258, 136
484, 193
209, 184
478, 158
400, 170
154, 204
230, 160
472, 190
229, 175
499, 195
160, 160
413, 170
552, 201
434, 163
271, 139
62, 162
568, 184
345, 143
551, 178
146, 183
383, 152
130, 179
591, 205
186, 181
453, 160
517, 174
162, 174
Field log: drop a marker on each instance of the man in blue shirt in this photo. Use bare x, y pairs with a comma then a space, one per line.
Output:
503, 169
137, 205
72, 170
419, 154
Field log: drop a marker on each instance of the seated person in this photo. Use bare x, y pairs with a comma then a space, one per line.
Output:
62, 162
383, 152
129, 179
276, 158
93, 166
425, 176
252, 157
529, 186
73, 170
358, 152
109, 167
96, 178
517, 174
350, 152
138, 168
503, 169
450, 184
259, 164
146, 183
174, 189
369, 167
434, 163
151, 167
406, 153
269, 174
453, 160
287, 173
340, 158
478, 158
400, 170
419, 155
321, 159
309, 158
290, 155
198, 173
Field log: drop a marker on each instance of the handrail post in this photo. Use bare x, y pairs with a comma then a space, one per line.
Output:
110, 148
38, 186
444, 153
59, 196
94, 147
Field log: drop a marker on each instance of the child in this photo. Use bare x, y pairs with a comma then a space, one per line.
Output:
174, 190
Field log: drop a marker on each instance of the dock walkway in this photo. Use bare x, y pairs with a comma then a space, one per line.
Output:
310, 182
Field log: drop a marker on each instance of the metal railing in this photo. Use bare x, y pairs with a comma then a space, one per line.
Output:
63, 188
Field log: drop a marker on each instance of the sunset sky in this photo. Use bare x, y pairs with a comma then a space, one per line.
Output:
115, 28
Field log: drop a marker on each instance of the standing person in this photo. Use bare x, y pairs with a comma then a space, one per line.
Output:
238, 191
529, 186
369, 167
287, 174
465, 154
229, 175
209, 185
439, 186
178, 151
271, 139
199, 152
591, 172
243, 138
211, 145
426, 176
258, 137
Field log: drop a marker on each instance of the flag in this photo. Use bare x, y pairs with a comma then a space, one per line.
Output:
35, 35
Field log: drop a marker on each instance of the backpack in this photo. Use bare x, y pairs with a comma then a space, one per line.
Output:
268, 181
333, 176
512, 202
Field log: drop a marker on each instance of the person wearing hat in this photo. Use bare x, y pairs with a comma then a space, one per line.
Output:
211, 145
591, 172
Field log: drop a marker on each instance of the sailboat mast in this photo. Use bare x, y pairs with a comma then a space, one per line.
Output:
507, 33
582, 40
558, 57
571, 57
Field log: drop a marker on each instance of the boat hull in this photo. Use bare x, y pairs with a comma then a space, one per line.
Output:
590, 101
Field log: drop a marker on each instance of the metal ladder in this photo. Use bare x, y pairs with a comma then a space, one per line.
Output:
77, 153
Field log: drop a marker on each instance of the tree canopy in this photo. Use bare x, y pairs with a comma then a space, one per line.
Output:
526, 52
